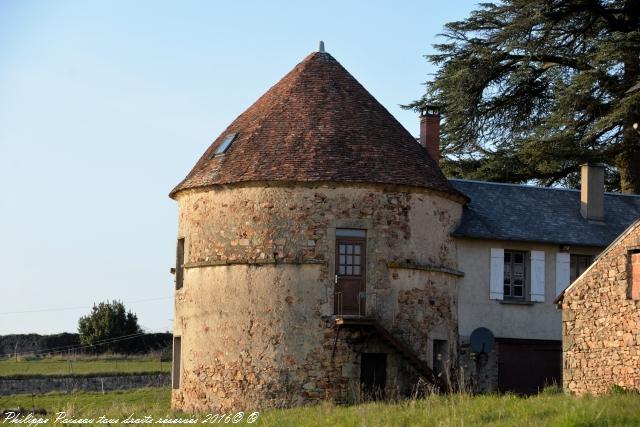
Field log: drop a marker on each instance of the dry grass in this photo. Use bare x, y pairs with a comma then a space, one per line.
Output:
546, 409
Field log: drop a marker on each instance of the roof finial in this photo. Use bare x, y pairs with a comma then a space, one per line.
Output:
321, 47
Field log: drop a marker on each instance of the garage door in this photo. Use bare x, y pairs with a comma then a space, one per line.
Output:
527, 367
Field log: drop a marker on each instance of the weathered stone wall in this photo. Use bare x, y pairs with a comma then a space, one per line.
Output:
425, 310
295, 224
255, 310
601, 324
68, 384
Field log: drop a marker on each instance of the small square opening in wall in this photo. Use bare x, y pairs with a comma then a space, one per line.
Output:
634, 275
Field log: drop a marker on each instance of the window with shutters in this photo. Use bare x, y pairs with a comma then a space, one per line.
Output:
515, 274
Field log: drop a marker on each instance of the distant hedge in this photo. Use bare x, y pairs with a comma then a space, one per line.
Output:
34, 344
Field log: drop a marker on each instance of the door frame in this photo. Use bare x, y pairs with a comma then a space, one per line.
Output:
362, 300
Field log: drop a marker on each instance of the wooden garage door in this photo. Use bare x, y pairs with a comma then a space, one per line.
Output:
526, 368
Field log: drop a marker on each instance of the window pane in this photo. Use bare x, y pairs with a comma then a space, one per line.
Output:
517, 291
356, 260
349, 270
356, 270
518, 258
507, 257
342, 250
349, 259
583, 264
357, 249
224, 146
341, 270
518, 271
349, 249
342, 259
507, 290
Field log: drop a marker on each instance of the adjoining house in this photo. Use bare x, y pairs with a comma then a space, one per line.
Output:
322, 254
601, 321
519, 247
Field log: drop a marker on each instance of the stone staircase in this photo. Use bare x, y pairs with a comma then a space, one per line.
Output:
404, 350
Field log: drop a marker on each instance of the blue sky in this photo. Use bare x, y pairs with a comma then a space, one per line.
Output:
105, 106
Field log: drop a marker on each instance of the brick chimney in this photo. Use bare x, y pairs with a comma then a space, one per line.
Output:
430, 131
592, 192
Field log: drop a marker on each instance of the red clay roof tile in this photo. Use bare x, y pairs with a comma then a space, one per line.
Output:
317, 124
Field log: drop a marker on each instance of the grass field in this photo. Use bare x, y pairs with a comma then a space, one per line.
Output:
79, 365
546, 409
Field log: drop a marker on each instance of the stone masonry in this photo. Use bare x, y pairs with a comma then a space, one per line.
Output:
314, 160
255, 314
601, 323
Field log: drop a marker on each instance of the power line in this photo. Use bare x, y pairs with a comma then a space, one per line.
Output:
84, 307
75, 346
81, 346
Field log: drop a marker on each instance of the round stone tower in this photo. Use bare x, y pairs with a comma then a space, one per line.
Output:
314, 256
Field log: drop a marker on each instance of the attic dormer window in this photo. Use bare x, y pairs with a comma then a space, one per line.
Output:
226, 143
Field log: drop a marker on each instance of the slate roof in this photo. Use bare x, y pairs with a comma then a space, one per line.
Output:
318, 124
538, 214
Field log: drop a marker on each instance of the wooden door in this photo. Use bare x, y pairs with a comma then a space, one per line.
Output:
350, 276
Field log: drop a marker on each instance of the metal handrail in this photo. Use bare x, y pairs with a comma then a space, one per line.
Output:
372, 304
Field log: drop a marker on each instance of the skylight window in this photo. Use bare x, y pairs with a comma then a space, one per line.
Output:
226, 143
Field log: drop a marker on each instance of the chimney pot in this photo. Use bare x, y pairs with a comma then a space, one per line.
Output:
430, 131
592, 192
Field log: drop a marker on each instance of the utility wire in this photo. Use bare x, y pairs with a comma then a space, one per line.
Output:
77, 347
63, 349
84, 307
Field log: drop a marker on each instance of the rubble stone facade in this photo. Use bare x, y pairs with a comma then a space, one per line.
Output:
255, 314
601, 323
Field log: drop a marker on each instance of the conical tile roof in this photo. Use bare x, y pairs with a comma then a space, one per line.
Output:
317, 124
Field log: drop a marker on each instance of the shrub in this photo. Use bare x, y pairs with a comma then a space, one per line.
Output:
105, 324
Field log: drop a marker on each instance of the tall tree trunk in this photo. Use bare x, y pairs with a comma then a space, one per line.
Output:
628, 162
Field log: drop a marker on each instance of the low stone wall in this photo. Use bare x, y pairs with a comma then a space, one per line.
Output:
68, 384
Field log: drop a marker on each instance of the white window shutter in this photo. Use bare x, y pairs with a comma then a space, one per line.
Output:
496, 287
563, 263
537, 276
